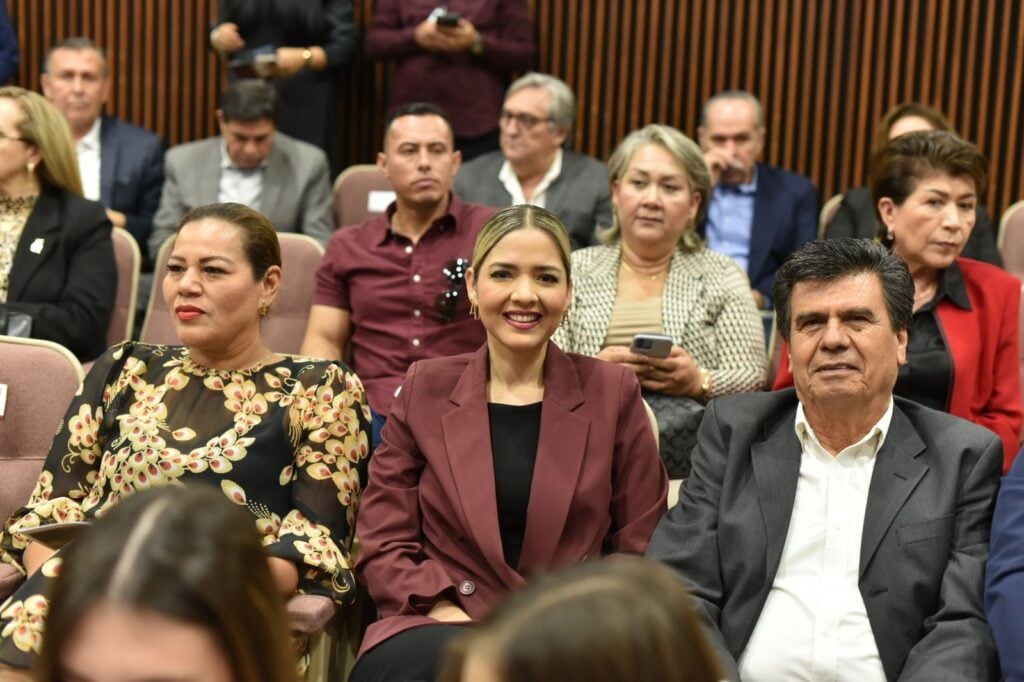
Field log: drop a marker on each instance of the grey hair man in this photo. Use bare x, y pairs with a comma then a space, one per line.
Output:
534, 167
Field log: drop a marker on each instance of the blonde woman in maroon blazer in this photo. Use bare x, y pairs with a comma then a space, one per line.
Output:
500, 464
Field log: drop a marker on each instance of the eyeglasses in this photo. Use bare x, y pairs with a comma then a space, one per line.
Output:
447, 301
5, 136
526, 121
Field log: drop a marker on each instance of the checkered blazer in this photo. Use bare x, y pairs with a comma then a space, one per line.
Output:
707, 309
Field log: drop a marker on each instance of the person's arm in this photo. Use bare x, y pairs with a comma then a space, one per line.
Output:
172, 207
508, 45
1004, 590
327, 332
1002, 411
328, 474
73, 460
140, 221
804, 228
317, 206
79, 317
400, 577
388, 36
957, 637
639, 480
686, 539
9, 57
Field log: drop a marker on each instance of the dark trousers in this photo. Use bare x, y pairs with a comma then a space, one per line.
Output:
411, 656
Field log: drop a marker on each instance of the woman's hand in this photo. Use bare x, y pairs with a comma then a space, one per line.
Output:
35, 556
226, 39
678, 374
289, 61
621, 355
285, 574
446, 611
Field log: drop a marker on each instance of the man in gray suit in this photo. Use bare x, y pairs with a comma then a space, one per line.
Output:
833, 531
250, 163
532, 166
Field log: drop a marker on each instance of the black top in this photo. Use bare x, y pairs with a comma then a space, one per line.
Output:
515, 430
927, 378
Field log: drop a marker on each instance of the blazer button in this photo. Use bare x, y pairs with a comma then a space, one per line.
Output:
467, 587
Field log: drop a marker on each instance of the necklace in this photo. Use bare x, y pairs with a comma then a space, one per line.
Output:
636, 272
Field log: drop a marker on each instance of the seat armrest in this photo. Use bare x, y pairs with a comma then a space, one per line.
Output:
309, 613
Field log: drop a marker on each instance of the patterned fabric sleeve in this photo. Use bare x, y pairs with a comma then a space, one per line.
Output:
739, 334
74, 458
329, 427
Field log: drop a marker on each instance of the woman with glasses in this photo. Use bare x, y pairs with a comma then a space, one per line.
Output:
654, 275
57, 272
501, 464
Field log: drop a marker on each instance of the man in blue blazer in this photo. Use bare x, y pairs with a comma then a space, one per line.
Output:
832, 531
758, 214
121, 164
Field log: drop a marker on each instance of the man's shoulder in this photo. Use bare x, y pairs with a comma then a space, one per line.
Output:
941, 430
358, 234
470, 215
296, 148
483, 164
189, 150
128, 132
576, 164
776, 178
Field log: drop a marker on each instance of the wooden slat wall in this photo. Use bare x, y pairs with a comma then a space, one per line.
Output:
825, 71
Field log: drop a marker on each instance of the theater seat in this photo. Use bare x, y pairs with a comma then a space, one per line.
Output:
1011, 239
828, 211
360, 192
129, 263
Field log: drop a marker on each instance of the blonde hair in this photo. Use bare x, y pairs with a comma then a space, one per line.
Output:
44, 127
516, 218
689, 157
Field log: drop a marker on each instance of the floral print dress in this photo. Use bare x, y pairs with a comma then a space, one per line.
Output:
288, 440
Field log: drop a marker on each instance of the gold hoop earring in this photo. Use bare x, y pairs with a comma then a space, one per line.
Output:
263, 309
473, 311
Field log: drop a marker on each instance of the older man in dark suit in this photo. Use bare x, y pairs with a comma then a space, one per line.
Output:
834, 532
122, 165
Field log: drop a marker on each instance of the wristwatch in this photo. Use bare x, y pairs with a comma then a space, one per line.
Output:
307, 57
477, 47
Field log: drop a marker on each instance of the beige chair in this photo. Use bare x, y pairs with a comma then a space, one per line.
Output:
129, 263
828, 211
360, 192
284, 327
38, 379
1011, 239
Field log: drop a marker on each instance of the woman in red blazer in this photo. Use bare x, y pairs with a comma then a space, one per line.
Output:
500, 464
962, 353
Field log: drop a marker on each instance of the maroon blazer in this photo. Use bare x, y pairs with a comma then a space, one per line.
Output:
428, 520
983, 345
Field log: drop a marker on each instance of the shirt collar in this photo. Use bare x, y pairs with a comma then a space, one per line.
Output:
91, 140
444, 222
742, 188
952, 286
878, 432
506, 175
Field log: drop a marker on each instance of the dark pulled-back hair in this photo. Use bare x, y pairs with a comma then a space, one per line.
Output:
259, 238
936, 119
248, 100
897, 167
826, 260
186, 553
614, 620
418, 109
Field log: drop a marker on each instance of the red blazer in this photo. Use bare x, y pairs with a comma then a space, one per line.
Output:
984, 344
428, 520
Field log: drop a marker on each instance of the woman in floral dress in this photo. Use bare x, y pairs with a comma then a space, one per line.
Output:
285, 437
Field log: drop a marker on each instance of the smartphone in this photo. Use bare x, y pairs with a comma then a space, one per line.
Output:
652, 345
449, 19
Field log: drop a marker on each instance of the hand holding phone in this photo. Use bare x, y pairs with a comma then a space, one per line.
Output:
449, 19
652, 345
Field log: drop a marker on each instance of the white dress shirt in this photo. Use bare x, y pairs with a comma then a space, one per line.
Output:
89, 161
814, 625
241, 186
511, 182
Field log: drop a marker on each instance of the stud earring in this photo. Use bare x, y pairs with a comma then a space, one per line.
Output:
263, 309
31, 166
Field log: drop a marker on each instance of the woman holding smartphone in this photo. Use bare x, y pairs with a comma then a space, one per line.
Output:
654, 275
501, 464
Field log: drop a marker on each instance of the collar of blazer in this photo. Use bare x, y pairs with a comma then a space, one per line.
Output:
560, 453
776, 464
42, 224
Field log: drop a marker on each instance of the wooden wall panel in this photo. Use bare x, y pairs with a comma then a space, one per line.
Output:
825, 70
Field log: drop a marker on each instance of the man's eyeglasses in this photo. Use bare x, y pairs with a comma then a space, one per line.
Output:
525, 121
447, 301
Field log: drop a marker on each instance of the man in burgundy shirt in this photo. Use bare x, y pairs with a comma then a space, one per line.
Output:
392, 286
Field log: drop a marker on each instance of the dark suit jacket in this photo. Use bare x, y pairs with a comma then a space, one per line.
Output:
64, 274
131, 174
579, 196
1004, 589
926, 528
428, 521
984, 351
856, 217
785, 217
